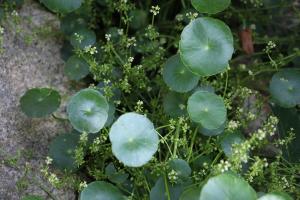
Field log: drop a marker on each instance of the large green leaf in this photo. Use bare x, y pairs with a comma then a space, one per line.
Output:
285, 88
210, 6
207, 109
76, 68
88, 111
40, 102
100, 190
62, 151
227, 186
206, 46
177, 76
62, 6
276, 196
212, 132
134, 139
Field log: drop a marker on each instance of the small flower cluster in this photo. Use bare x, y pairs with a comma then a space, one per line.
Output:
90, 50
233, 125
173, 176
82, 185
191, 15
78, 38
257, 168
155, 10
139, 106
223, 166
271, 45
51, 177
255, 3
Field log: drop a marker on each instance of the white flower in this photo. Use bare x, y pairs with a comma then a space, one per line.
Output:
108, 37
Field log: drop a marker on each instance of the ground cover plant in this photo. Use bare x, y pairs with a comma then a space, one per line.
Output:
190, 99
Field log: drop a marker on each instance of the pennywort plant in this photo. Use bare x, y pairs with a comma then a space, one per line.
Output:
169, 112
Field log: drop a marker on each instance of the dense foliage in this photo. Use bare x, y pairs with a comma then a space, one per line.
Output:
186, 99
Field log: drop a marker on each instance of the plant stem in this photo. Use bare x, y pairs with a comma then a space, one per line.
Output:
167, 187
176, 140
192, 144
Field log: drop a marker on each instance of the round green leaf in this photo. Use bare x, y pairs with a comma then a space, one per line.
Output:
175, 104
212, 132
72, 22
82, 38
285, 88
76, 68
276, 196
210, 6
181, 167
40, 102
191, 194
88, 111
62, 6
208, 109
62, 151
138, 19
228, 139
227, 186
177, 76
134, 139
206, 46
100, 190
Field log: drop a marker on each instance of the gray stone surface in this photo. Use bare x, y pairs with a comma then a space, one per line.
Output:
24, 66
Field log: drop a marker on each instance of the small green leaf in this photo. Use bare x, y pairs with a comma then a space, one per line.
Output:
100, 190
285, 88
210, 6
177, 76
207, 109
114, 176
88, 111
40, 102
227, 186
181, 167
228, 139
62, 6
62, 151
175, 104
276, 196
134, 139
82, 38
159, 191
206, 46
76, 68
